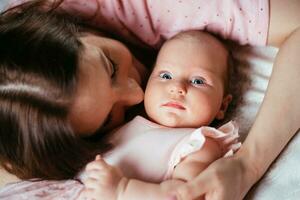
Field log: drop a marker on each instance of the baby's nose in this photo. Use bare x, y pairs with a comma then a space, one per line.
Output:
177, 88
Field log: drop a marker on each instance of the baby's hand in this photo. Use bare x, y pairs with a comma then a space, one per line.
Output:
100, 180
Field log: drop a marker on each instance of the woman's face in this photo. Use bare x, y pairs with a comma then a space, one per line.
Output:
109, 82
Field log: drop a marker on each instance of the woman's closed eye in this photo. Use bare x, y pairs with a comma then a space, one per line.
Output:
114, 68
165, 75
198, 81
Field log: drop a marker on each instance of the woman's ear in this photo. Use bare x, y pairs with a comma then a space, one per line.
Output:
226, 101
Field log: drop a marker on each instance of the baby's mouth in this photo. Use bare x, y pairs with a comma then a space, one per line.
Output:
174, 105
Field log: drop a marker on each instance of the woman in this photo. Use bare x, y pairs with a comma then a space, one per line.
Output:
52, 74
225, 178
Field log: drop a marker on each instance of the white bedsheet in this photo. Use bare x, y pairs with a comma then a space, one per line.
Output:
282, 181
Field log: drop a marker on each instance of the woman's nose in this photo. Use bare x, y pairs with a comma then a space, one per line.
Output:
177, 88
130, 93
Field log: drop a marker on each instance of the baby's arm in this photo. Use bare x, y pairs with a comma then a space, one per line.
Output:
105, 182
193, 164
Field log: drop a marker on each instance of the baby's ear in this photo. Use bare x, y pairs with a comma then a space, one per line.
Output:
226, 101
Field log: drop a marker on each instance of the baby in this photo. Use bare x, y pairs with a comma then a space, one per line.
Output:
187, 89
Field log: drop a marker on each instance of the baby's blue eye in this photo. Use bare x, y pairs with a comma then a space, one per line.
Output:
197, 81
165, 75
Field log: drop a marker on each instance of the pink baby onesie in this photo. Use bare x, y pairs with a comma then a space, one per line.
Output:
144, 150
153, 21
147, 151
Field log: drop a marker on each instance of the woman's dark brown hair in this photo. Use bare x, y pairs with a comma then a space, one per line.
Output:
39, 56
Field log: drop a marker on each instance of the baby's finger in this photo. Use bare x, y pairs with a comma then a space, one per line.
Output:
98, 157
91, 183
86, 194
95, 174
99, 164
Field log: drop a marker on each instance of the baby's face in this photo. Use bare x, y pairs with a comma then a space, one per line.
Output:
186, 87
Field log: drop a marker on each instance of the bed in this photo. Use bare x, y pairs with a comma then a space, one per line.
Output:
282, 180
253, 68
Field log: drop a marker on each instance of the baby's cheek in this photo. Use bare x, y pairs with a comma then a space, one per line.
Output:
152, 104
202, 114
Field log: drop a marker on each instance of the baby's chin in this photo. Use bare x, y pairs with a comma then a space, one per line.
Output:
171, 120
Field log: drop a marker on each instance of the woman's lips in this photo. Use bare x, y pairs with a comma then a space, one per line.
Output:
174, 105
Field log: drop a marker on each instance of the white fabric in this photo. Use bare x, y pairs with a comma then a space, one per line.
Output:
282, 181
